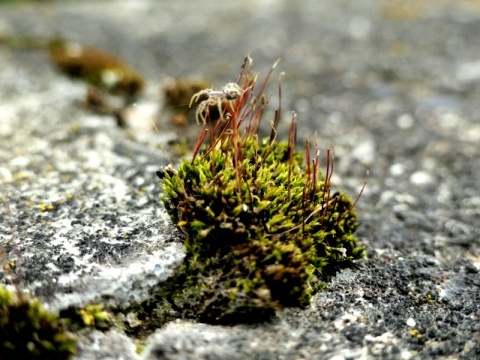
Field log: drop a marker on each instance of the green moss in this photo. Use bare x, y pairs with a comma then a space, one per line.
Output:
262, 228
93, 316
28, 331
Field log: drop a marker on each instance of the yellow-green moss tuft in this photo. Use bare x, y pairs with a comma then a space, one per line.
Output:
28, 331
262, 227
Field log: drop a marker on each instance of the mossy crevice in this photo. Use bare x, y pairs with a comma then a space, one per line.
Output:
28, 331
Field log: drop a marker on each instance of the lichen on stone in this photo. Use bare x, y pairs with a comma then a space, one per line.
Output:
262, 227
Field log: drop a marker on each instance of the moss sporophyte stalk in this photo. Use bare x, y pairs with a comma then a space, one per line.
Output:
262, 225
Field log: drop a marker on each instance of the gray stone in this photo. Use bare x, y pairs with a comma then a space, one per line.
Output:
396, 83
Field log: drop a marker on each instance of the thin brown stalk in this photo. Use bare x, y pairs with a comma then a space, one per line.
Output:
264, 84
326, 184
308, 171
256, 119
291, 148
304, 211
278, 112
316, 167
199, 142
246, 104
344, 215
214, 140
248, 60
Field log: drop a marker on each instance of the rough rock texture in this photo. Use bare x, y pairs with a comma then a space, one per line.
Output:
394, 87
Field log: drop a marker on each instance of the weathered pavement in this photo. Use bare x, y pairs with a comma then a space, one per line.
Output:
394, 89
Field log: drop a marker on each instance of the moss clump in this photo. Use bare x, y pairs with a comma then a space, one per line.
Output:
93, 316
262, 228
28, 331
96, 67
177, 94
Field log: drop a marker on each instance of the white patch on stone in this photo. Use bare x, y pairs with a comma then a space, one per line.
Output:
469, 71
364, 152
421, 178
5, 175
397, 169
405, 121
411, 322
